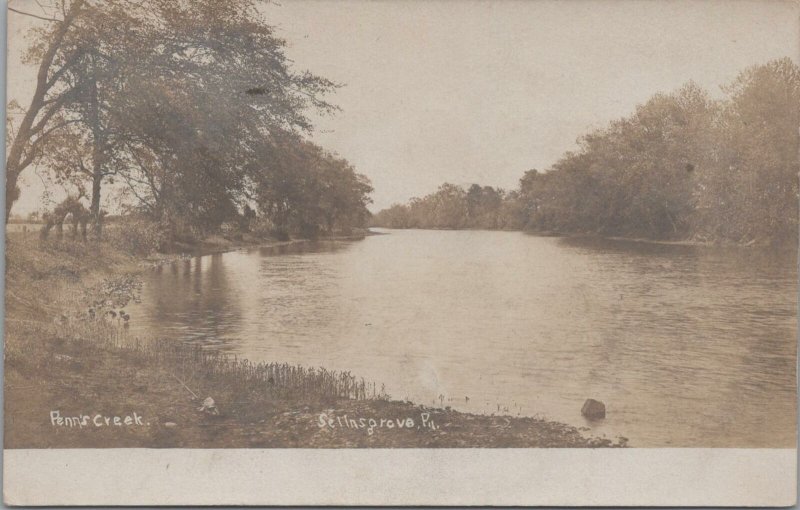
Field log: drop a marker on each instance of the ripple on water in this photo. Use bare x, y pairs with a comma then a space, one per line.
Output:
687, 346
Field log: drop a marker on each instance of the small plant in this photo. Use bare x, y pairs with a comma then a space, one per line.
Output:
115, 292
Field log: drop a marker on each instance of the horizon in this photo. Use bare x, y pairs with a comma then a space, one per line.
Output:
462, 125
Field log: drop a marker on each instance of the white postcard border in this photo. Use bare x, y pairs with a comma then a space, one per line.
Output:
501, 477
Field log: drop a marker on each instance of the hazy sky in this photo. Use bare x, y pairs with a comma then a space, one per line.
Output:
481, 91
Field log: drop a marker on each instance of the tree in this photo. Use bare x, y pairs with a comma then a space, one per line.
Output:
51, 94
301, 188
752, 192
681, 166
171, 95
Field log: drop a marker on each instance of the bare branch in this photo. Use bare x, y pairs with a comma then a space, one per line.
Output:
56, 127
34, 15
54, 108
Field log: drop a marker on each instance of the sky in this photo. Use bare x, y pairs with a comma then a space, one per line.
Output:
479, 92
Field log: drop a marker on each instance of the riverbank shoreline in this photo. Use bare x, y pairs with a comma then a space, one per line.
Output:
590, 235
218, 244
65, 367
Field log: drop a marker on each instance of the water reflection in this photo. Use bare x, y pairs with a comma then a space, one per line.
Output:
208, 311
688, 346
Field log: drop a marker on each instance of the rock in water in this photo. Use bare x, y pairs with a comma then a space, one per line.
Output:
593, 409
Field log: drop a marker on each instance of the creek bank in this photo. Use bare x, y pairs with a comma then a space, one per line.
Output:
219, 244
717, 243
692, 241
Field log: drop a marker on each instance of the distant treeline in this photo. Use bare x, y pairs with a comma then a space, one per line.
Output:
683, 166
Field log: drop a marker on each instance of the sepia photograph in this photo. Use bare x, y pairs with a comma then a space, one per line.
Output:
375, 228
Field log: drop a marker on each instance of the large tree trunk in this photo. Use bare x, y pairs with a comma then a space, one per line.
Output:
94, 208
98, 153
22, 151
12, 191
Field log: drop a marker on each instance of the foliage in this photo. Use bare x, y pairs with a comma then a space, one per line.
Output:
683, 166
450, 207
180, 102
139, 236
300, 188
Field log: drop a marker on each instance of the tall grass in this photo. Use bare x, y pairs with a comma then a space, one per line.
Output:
54, 285
194, 362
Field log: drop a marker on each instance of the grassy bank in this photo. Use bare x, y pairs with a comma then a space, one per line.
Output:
72, 369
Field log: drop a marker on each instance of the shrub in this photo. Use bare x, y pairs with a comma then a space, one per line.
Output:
263, 227
138, 236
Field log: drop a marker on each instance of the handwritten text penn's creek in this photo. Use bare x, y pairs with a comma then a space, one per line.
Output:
95, 420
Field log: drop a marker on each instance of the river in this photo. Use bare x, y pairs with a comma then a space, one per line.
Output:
687, 346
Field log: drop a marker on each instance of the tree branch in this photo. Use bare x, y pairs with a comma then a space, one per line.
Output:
54, 108
34, 15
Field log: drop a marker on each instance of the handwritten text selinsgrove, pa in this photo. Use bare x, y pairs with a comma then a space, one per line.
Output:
370, 425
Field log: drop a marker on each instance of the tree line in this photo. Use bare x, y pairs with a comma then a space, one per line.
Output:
682, 166
189, 109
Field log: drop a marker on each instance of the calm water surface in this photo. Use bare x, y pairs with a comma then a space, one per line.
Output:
687, 346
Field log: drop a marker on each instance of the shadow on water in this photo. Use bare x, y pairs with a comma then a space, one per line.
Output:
762, 259
300, 247
193, 301
208, 299
608, 245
